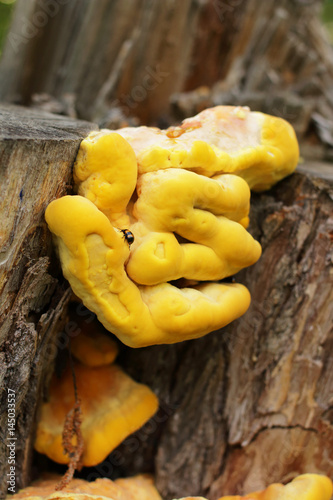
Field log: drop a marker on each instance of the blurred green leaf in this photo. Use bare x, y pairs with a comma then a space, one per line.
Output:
6, 9
327, 17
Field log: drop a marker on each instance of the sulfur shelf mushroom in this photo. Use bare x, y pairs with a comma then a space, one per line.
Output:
139, 487
303, 487
135, 486
113, 406
92, 347
188, 215
225, 139
93, 255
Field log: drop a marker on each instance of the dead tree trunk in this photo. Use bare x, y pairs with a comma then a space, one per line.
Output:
36, 154
101, 59
242, 407
252, 404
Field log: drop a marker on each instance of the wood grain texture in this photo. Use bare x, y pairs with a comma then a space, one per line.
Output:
92, 57
131, 53
36, 154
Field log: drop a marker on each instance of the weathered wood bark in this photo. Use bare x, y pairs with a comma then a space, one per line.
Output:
102, 59
251, 404
36, 154
240, 408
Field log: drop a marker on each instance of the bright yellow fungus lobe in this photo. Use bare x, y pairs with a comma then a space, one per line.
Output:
185, 196
113, 407
91, 344
94, 348
304, 487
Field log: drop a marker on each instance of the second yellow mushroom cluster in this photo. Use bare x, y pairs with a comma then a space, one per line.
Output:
304, 487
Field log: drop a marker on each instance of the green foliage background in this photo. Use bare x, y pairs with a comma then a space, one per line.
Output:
6, 10
328, 17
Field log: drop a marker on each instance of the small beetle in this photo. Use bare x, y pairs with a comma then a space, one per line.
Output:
128, 236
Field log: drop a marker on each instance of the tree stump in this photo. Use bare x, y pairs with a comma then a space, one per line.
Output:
240, 408
37, 151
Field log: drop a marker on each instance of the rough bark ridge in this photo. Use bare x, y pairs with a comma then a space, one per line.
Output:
36, 154
134, 55
252, 404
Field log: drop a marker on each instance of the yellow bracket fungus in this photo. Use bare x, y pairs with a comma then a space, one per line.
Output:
92, 346
113, 407
139, 487
183, 194
304, 487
